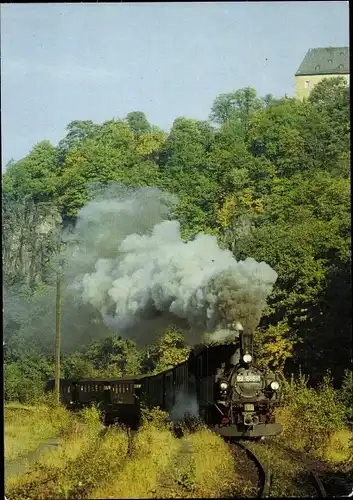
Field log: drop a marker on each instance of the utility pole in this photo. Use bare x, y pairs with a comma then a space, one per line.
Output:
58, 334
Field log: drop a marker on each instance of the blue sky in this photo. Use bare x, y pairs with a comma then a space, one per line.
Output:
64, 62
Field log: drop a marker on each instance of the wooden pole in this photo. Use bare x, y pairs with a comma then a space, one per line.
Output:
58, 335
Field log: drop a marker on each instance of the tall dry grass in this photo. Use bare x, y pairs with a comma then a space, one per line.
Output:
202, 468
53, 473
95, 462
26, 427
152, 452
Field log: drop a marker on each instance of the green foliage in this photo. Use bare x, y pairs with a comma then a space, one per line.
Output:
155, 416
77, 366
33, 177
25, 378
346, 395
169, 351
332, 95
311, 415
236, 106
274, 345
188, 144
138, 122
92, 417
272, 182
78, 131
114, 357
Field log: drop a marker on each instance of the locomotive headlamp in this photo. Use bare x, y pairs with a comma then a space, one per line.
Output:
223, 385
247, 358
274, 385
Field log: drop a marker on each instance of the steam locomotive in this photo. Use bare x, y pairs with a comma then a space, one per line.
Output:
224, 386
221, 384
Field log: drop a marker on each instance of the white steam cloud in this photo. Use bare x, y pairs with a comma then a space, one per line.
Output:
186, 406
135, 269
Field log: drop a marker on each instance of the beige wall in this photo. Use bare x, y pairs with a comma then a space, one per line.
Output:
301, 91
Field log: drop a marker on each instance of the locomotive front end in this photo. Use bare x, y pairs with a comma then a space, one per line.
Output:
247, 395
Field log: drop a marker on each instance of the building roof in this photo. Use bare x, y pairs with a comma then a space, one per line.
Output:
324, 61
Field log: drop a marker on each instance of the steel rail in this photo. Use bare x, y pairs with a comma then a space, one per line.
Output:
264, 468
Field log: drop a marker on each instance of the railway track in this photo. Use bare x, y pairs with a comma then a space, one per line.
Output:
258, 473
321, 491
328, 483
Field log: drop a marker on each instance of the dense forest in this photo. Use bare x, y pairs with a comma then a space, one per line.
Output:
270, 178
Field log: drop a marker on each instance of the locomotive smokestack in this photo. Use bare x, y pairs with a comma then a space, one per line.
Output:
239, 327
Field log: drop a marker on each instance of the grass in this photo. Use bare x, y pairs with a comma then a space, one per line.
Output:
27, 427
152, 452
289, 477
55, 472
202, 468
95, 462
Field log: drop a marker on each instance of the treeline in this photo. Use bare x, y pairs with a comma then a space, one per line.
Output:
26, 372
269, 177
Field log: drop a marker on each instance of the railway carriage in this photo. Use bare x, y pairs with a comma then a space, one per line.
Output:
118, 398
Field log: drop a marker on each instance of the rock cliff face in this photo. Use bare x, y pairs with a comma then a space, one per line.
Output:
29, 240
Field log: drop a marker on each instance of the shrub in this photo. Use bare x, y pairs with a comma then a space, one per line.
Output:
346, 396
92, 418
310, 415
156, 416
20, 386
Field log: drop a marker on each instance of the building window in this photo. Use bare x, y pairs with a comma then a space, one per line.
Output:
317, 67
340, 66
330, 61
307, 84
342, 53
